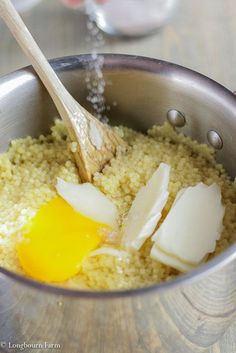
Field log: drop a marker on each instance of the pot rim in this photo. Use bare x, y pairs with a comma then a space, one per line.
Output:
155, 66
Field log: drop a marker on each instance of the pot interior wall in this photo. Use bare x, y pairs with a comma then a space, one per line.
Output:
139, 92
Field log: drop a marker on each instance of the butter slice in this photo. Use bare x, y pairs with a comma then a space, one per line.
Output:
191, 228
89, 201
146, 209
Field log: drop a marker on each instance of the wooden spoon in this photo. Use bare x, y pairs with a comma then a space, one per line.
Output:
96, 142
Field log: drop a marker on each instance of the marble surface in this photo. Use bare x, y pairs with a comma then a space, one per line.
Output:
201, 36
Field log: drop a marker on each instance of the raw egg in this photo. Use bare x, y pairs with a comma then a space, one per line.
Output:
56, 241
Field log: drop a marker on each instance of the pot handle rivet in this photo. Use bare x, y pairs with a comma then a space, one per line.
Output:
176, 118
215, 140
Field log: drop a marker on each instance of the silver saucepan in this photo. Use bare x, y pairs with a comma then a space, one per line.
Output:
185, 315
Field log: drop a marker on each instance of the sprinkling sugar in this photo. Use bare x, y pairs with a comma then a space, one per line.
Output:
95, 81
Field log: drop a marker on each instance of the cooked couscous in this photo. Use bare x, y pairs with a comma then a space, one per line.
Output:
28, 173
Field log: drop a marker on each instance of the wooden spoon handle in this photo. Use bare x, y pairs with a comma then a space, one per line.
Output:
36, 57
96, 142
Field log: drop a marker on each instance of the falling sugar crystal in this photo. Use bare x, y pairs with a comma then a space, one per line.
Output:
94, 75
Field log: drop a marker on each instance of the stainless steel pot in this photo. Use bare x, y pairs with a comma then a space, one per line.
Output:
186, 315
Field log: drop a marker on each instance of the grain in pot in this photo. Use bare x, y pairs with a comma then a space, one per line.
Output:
29, 172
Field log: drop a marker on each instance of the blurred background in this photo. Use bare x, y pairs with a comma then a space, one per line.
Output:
200, 35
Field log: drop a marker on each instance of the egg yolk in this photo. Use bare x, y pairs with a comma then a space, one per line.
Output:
56, 241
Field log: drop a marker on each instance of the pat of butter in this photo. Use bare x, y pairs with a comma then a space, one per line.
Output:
146, 209
191, 228
89, 201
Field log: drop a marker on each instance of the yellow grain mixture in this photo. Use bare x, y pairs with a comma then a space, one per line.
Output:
28, 172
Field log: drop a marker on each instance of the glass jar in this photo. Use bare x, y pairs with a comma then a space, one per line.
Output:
23, 5
130, 17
